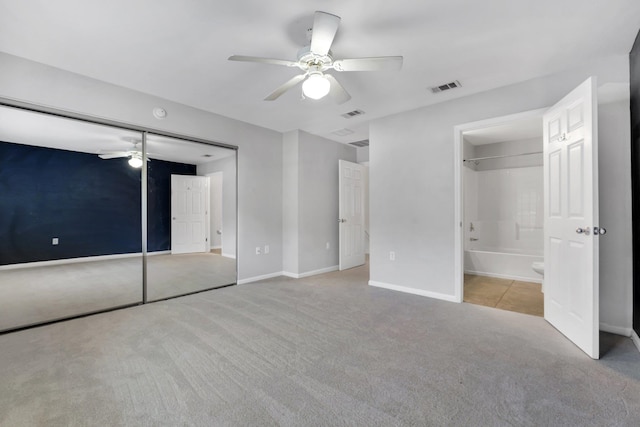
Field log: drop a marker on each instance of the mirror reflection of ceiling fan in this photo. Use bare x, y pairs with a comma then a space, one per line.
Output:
314, 60
135, 155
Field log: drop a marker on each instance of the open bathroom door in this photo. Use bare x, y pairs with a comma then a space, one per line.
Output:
570, 133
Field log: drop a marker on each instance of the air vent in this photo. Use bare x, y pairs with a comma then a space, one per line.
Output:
343, 132
453, 85
363, 143
352, 114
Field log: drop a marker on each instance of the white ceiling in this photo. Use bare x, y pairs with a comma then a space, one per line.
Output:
44, 130
179, 50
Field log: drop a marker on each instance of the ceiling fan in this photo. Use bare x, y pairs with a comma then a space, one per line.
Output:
314, 60
135, 155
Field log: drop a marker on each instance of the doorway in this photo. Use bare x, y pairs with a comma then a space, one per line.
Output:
571, 213
503, 214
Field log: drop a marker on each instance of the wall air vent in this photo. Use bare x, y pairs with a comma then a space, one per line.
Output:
342, 132
363, 143
453, 85
352, 114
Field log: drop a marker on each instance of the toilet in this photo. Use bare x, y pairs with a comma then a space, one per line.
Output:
538, 267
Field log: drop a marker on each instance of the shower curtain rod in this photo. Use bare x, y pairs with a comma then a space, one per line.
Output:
501, 157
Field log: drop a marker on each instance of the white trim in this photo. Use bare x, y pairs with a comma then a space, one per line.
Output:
257, 278
504, 276
68, 261
229, 255
636, 339
458, 256
216, 247
421, 292
310, 273
618, 330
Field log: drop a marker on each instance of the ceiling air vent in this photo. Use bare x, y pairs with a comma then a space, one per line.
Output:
342, 132
454, 84
352, 114
363, 143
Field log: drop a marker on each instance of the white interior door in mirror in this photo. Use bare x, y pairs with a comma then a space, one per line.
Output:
189, 214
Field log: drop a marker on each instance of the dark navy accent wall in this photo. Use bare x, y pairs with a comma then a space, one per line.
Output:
634, 60
159, 201
92, 206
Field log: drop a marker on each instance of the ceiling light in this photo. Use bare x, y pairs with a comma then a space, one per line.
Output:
135, 161
316, 86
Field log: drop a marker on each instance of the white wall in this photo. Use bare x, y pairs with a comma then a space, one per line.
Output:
533, 145
259, 157
227, 166
311, 179
362, 155
412, 180
215, 184
290, 192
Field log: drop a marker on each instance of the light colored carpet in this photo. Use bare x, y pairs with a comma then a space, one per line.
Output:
40, 294
324, 350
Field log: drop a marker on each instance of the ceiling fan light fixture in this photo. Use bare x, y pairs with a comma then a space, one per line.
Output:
135, 161
316, 86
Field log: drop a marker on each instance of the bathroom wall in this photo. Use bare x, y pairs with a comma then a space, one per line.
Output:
532, 145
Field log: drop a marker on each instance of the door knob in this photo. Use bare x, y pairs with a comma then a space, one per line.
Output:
599, 230
342, 220
585, 231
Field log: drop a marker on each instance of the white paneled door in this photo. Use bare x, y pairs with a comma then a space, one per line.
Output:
351, 214
189, 214
571, 230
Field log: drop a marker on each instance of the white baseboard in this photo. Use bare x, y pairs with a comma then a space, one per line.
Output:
636, 339
257, 278
229, 255
421, 292
310, 273
618, 330
68, 261
159, 253
504, 276
216, 247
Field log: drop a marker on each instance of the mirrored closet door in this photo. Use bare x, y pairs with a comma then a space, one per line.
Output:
70, 218
191, 217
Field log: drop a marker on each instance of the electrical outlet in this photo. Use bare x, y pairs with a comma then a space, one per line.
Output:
258, 250
392, 256
328, 245
55, 241
266, 249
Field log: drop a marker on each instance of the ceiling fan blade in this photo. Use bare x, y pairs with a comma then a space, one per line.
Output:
325, 26
338, 93
263, 60
285, 87
114, 155
368, 64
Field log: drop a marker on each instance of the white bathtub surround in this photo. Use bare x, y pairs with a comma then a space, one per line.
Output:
506, 208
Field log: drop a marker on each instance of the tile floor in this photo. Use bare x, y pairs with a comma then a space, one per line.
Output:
505, 294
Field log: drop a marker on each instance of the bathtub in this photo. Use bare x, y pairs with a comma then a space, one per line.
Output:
494, 262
